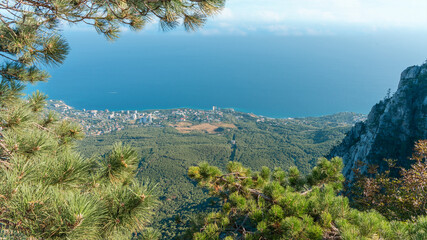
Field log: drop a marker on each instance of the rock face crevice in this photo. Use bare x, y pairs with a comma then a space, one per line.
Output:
391, 129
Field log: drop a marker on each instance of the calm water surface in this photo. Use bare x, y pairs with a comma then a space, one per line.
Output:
275, 76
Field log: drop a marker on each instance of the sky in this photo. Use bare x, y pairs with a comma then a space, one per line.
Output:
278, 58
311, 17
317, 17
320, 17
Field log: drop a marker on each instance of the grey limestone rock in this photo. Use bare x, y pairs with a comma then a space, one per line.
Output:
391, 129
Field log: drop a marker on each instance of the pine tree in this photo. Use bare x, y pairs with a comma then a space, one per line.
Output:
286, 205
48, 190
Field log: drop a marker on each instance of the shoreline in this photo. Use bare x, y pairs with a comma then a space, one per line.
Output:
234, 109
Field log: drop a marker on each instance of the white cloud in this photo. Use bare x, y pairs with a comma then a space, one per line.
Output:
226, 14
270, 16
321, 16
312, 17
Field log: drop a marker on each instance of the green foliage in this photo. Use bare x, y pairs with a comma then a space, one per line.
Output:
120, 164
290, 206
167, 154
149, 234
49, 191
403, 197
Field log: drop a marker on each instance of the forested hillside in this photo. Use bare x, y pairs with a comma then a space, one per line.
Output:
166, 154
145, 174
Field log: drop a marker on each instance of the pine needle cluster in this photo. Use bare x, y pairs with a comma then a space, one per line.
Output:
49, 191
286, 205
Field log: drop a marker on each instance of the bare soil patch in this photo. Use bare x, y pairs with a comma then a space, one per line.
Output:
186, 127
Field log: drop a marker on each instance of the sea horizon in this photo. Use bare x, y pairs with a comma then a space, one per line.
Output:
285, 76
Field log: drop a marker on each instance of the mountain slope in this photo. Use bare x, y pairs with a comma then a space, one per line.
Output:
392, 127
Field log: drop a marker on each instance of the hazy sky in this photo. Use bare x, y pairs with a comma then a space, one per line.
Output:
291, 14
318, 17
313, 17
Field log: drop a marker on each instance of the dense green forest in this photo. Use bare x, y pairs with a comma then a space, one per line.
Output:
166, 154
50, 190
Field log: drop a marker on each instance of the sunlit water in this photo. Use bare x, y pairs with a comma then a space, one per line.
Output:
275, 76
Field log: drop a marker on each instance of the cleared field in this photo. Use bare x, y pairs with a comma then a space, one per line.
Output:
186, 127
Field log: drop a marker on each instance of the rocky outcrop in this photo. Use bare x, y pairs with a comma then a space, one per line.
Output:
391, 129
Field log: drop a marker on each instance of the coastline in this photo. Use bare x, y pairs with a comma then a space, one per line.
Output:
235, 109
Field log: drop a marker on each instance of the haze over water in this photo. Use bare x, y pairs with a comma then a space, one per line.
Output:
259, 71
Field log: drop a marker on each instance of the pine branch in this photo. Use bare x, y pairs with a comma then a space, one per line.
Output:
45, 129
333, 233
5, 148
2, 55
8, 164
255, 192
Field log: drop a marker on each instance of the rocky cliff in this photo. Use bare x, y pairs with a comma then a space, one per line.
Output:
392, 126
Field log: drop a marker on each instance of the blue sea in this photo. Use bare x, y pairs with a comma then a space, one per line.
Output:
275, 76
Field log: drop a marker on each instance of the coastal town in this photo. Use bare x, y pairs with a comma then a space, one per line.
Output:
97, 122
